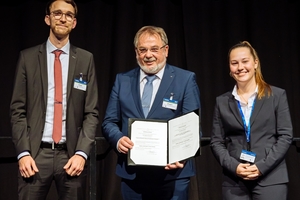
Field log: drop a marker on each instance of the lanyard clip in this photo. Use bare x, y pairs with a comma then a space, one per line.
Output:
171, 97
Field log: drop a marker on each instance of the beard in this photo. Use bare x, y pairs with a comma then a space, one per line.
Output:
153, 69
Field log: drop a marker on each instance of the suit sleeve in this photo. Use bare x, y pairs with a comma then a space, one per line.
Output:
91, 115
18, 109
191, 101
112, 119
218, 139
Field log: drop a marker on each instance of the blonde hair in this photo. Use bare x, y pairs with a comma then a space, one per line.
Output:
262, 85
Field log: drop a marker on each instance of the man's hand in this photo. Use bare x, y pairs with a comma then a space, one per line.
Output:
75, 165
27, 166
124, 145
175, 165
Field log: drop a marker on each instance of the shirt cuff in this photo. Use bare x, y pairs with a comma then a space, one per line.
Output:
118, 145
82, 154
24, 153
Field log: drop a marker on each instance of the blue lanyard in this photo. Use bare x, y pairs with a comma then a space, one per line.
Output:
247, 129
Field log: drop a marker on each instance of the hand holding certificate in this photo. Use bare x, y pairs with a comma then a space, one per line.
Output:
158, 142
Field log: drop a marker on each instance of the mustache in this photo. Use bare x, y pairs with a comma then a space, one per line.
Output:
149, 59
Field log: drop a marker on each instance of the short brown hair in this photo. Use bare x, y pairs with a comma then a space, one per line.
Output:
49, 3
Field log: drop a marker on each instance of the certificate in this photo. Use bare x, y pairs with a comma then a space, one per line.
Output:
160, 142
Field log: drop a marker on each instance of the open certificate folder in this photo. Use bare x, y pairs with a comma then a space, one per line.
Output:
158, 142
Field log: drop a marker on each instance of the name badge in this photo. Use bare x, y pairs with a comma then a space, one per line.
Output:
248, 156
80, 84
169, 103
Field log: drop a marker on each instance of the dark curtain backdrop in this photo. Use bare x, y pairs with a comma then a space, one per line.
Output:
200, 33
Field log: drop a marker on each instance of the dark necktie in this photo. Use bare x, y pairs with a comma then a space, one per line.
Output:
147, 94
58, 110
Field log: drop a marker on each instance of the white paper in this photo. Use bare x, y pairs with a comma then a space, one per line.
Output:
153, 145
183, 137
150, 141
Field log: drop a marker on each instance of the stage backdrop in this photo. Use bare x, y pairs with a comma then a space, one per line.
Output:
200, 33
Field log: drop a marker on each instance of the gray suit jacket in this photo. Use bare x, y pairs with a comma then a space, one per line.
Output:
29, 101
271, 136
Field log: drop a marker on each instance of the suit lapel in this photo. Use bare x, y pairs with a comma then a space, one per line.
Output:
234, 109
135, 88
166, 81
257, 107
71, 71
42, 58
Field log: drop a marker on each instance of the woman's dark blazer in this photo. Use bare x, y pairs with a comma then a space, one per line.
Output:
271, 136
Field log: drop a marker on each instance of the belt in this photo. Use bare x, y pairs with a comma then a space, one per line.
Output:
48, 145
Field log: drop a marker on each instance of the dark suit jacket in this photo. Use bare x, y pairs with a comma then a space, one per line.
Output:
125, 102
271, 136
29, 101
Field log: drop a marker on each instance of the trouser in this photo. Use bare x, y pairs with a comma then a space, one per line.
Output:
50, 164
149, 189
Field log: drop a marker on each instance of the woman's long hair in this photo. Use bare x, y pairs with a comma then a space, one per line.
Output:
263, 87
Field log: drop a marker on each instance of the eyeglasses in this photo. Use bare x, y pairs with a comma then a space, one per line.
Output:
154, 49
58, 15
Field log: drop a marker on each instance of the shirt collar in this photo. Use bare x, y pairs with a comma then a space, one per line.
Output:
158, 74
251, 99
51, 47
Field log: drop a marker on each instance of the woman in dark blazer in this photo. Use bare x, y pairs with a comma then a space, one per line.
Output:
251, 132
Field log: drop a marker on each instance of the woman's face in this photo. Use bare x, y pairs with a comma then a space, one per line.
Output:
242, 65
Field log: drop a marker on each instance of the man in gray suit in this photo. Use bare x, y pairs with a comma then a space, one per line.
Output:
41, 158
